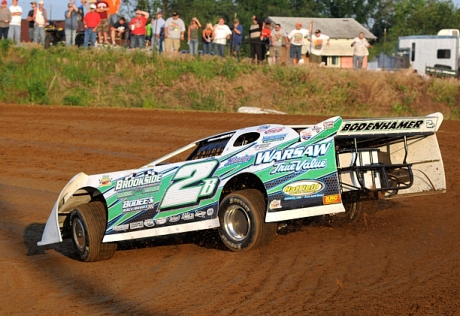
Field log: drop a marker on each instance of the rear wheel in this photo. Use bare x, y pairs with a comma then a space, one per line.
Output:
88, 222
242, 226
358, 206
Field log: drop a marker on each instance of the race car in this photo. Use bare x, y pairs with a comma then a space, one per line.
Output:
247, 182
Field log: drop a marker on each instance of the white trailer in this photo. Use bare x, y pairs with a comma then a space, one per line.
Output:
432, 54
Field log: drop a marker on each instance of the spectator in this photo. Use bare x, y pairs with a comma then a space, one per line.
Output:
158, 31
120, 28
255, 31
221, 35
265, 36
5, 18
14, 31
360, 45
278, 41
236, 39
137, 26
148, 32
71, 24
193, 31
91, 22
114, 5
207, 39
102, 7
318, 45
174, 33
30, 19
295, 38
41, 19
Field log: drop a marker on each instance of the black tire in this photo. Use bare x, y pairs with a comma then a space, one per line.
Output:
242, 221
88, 223
357, 207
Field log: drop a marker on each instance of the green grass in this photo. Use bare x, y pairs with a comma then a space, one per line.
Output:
121, 78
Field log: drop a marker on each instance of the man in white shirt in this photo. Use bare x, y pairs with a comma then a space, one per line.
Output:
14, 32
319, 40
295, 38
40, 18
360, 45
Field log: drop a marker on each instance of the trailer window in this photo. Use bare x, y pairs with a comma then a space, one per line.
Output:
443, 53
412, 58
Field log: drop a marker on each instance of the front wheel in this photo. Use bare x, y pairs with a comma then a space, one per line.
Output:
88, 222
242, 226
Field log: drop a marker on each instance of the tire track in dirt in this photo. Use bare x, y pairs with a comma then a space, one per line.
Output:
404, 260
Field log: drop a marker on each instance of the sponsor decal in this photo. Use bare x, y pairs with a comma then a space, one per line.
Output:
291, 153
161, 221
273, 138
328, 124
274, 130
210, 211
382, 125
331, 199
262, 146
124, 194
149, 223
306, 134
299, 165
174, 218
151, 188
303, 188
201, 214
121, 227
138, 205
235, 160
275, 204
263, 128
188, 216
136, 225
105, 180
137, 180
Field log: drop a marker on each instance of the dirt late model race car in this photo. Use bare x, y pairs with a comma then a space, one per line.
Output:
245, 182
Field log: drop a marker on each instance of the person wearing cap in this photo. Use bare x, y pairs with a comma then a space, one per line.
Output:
318, 42
5, 18
30, 19
158, 28
236, 39
71, 24
40, 18
91, 22
14, 31
174, 33
295, 41
137, 26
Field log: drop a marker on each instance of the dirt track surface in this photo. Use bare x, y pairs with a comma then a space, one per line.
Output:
403, 260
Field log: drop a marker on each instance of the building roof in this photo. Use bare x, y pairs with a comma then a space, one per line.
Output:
335, 28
